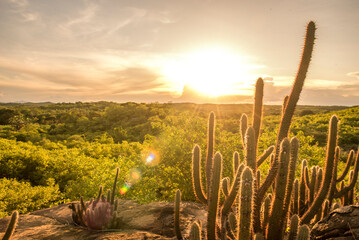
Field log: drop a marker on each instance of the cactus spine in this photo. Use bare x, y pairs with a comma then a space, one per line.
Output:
11, 226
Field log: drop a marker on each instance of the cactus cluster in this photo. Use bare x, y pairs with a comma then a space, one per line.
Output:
11, 226
100, 213
255, 208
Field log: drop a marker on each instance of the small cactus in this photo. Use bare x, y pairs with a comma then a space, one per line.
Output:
11, 226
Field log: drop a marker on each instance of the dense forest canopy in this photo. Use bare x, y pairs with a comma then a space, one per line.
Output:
52, 153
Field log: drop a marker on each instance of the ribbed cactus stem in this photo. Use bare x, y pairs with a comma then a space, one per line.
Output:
243, 128
294, 147
114, 186
303, 233
228, 203
250, 150
298, 83
258, 108
177, 215
225, 186
347, 166
245, 205
351, 192
235, 162
295, 208
276, 218
313, 178
196, 175
109, 195
319, 180
302, 189
195, 232
333, 184
99, 193
213, 197
328, 171
232, 223
11, 226
293, 229
266, 212
326, 208
210, 148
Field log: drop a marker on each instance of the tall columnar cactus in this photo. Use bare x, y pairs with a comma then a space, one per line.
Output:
11, 226
328, 171
245, 205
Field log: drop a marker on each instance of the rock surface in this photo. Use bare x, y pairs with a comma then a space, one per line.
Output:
340, 224
149, 221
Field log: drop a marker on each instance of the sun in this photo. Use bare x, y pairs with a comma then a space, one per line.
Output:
212, 72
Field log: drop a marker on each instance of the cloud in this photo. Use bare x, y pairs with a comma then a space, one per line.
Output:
353, 74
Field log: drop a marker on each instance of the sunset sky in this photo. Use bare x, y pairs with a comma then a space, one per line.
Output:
176, 50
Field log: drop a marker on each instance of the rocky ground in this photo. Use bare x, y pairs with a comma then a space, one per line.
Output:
149, 221
155, 221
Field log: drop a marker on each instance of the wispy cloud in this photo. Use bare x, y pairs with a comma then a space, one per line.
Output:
353, 74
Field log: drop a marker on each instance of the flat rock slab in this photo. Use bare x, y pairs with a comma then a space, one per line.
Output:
148, 221
340, 224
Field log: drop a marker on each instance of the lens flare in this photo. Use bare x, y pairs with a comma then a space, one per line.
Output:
150, 157
125, 188
134, 176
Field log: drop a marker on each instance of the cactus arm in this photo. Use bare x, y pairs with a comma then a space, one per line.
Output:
225, 186
325, 208
275, 219
11, 226
259, 196
250, 151
295, 209
333, 185
245, 205
302, 189
235, 162
195, 232
196, 175
213, 197
351, 185
266, 212
228, 203
294, 222
114, 187
265, 155
243, 128
328, 172
232, 220
177, 215
258, 108
298, 83
210, 148
303, 233
347, 166
306, 177
99, 193
312, 184
319, 180
351, 192
294, 146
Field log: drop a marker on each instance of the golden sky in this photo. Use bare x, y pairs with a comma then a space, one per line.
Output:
169, 50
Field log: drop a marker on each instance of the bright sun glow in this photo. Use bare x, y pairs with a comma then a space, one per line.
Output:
212, 72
